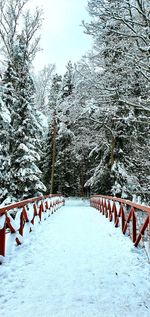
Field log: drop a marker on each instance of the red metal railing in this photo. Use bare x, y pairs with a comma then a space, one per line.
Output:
133, 219
13, 217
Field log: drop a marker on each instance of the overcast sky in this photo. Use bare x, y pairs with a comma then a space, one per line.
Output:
62, 36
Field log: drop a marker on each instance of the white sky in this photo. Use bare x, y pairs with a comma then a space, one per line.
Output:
62, 34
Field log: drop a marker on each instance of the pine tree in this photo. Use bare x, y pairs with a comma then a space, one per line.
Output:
65, 158
114, 25
18, 29
25, 175
5, 127
65, 161
67, 82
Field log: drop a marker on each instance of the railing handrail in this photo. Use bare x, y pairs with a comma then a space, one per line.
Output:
25, 202
131, 217
125, 202
24, 214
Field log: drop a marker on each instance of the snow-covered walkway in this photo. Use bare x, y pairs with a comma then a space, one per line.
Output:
75, 264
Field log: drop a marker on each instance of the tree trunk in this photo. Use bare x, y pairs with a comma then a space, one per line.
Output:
53, 154
112, 157
81, 182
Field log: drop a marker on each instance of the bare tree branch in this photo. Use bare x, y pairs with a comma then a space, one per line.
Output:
15, 22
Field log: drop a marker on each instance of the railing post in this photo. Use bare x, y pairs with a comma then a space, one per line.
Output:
105, 209
127, 221
128, 212
52, 207
46, 205
122, 216
145, 224
21, 222
109, 211
102, 206
40, 211
149, 234
7, 220
3, 239
133, 225
35, 213
114, 210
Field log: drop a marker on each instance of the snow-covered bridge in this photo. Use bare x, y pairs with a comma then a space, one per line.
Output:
75, 264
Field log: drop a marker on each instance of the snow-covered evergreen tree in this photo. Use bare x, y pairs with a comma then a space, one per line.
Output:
17, 31
66, 159
5, 127
67, 81
65, 164
25, 175
120, 112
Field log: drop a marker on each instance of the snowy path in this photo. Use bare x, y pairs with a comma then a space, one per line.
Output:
75, 264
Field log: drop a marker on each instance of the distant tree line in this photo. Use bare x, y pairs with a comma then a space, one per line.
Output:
102, 106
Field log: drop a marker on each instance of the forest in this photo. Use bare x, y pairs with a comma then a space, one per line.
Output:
86, 131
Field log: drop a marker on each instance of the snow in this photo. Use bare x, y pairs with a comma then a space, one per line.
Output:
23, 147
2, 221
15, 225
5, 113
30, 212
75, 264
43, 119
